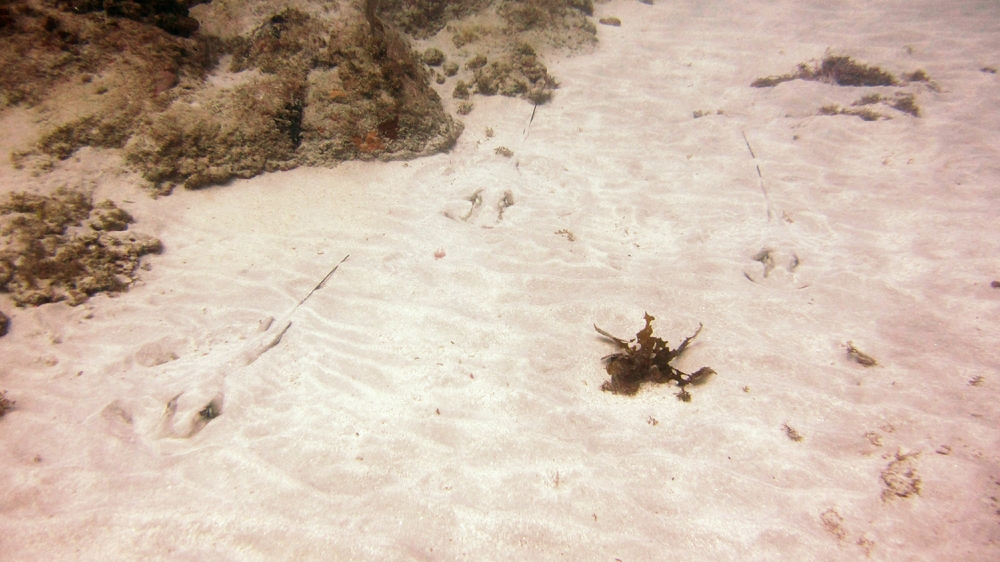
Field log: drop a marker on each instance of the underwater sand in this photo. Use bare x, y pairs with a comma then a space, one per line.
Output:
439, 397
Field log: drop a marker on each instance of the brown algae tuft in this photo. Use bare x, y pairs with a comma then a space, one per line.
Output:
647, 359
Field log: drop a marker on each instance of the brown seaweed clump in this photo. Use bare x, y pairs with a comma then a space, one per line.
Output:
63, 247
647, 359
839, 70
844, 71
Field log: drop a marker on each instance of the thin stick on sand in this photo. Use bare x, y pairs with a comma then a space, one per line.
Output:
321, 283
253, 351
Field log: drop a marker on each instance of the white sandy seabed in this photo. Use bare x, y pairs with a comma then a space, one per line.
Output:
439, 397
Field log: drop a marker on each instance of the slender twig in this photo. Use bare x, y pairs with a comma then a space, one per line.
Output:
320, 284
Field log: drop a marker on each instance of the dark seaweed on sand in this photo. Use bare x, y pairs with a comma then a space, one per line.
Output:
842, 71
647, 359
5, 405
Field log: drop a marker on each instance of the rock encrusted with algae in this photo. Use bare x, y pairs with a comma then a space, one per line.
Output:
63, 247
299, 90
315, 95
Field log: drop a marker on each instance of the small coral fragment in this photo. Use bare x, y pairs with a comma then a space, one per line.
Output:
792, 433
862, 358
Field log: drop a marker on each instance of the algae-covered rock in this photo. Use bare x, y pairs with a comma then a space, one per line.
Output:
312, 95
55, 248
423, 18
108, 217
287, 41
252, 128
312, 86
433, 57
92, 77
378, 104
525, 15
517, 74
168, 15
476, 62
461, 90
299, 90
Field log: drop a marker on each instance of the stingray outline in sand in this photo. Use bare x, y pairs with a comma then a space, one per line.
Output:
771, 258
193, 419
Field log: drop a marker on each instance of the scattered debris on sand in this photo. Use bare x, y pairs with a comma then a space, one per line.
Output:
860, 357
792, 433
900, 476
